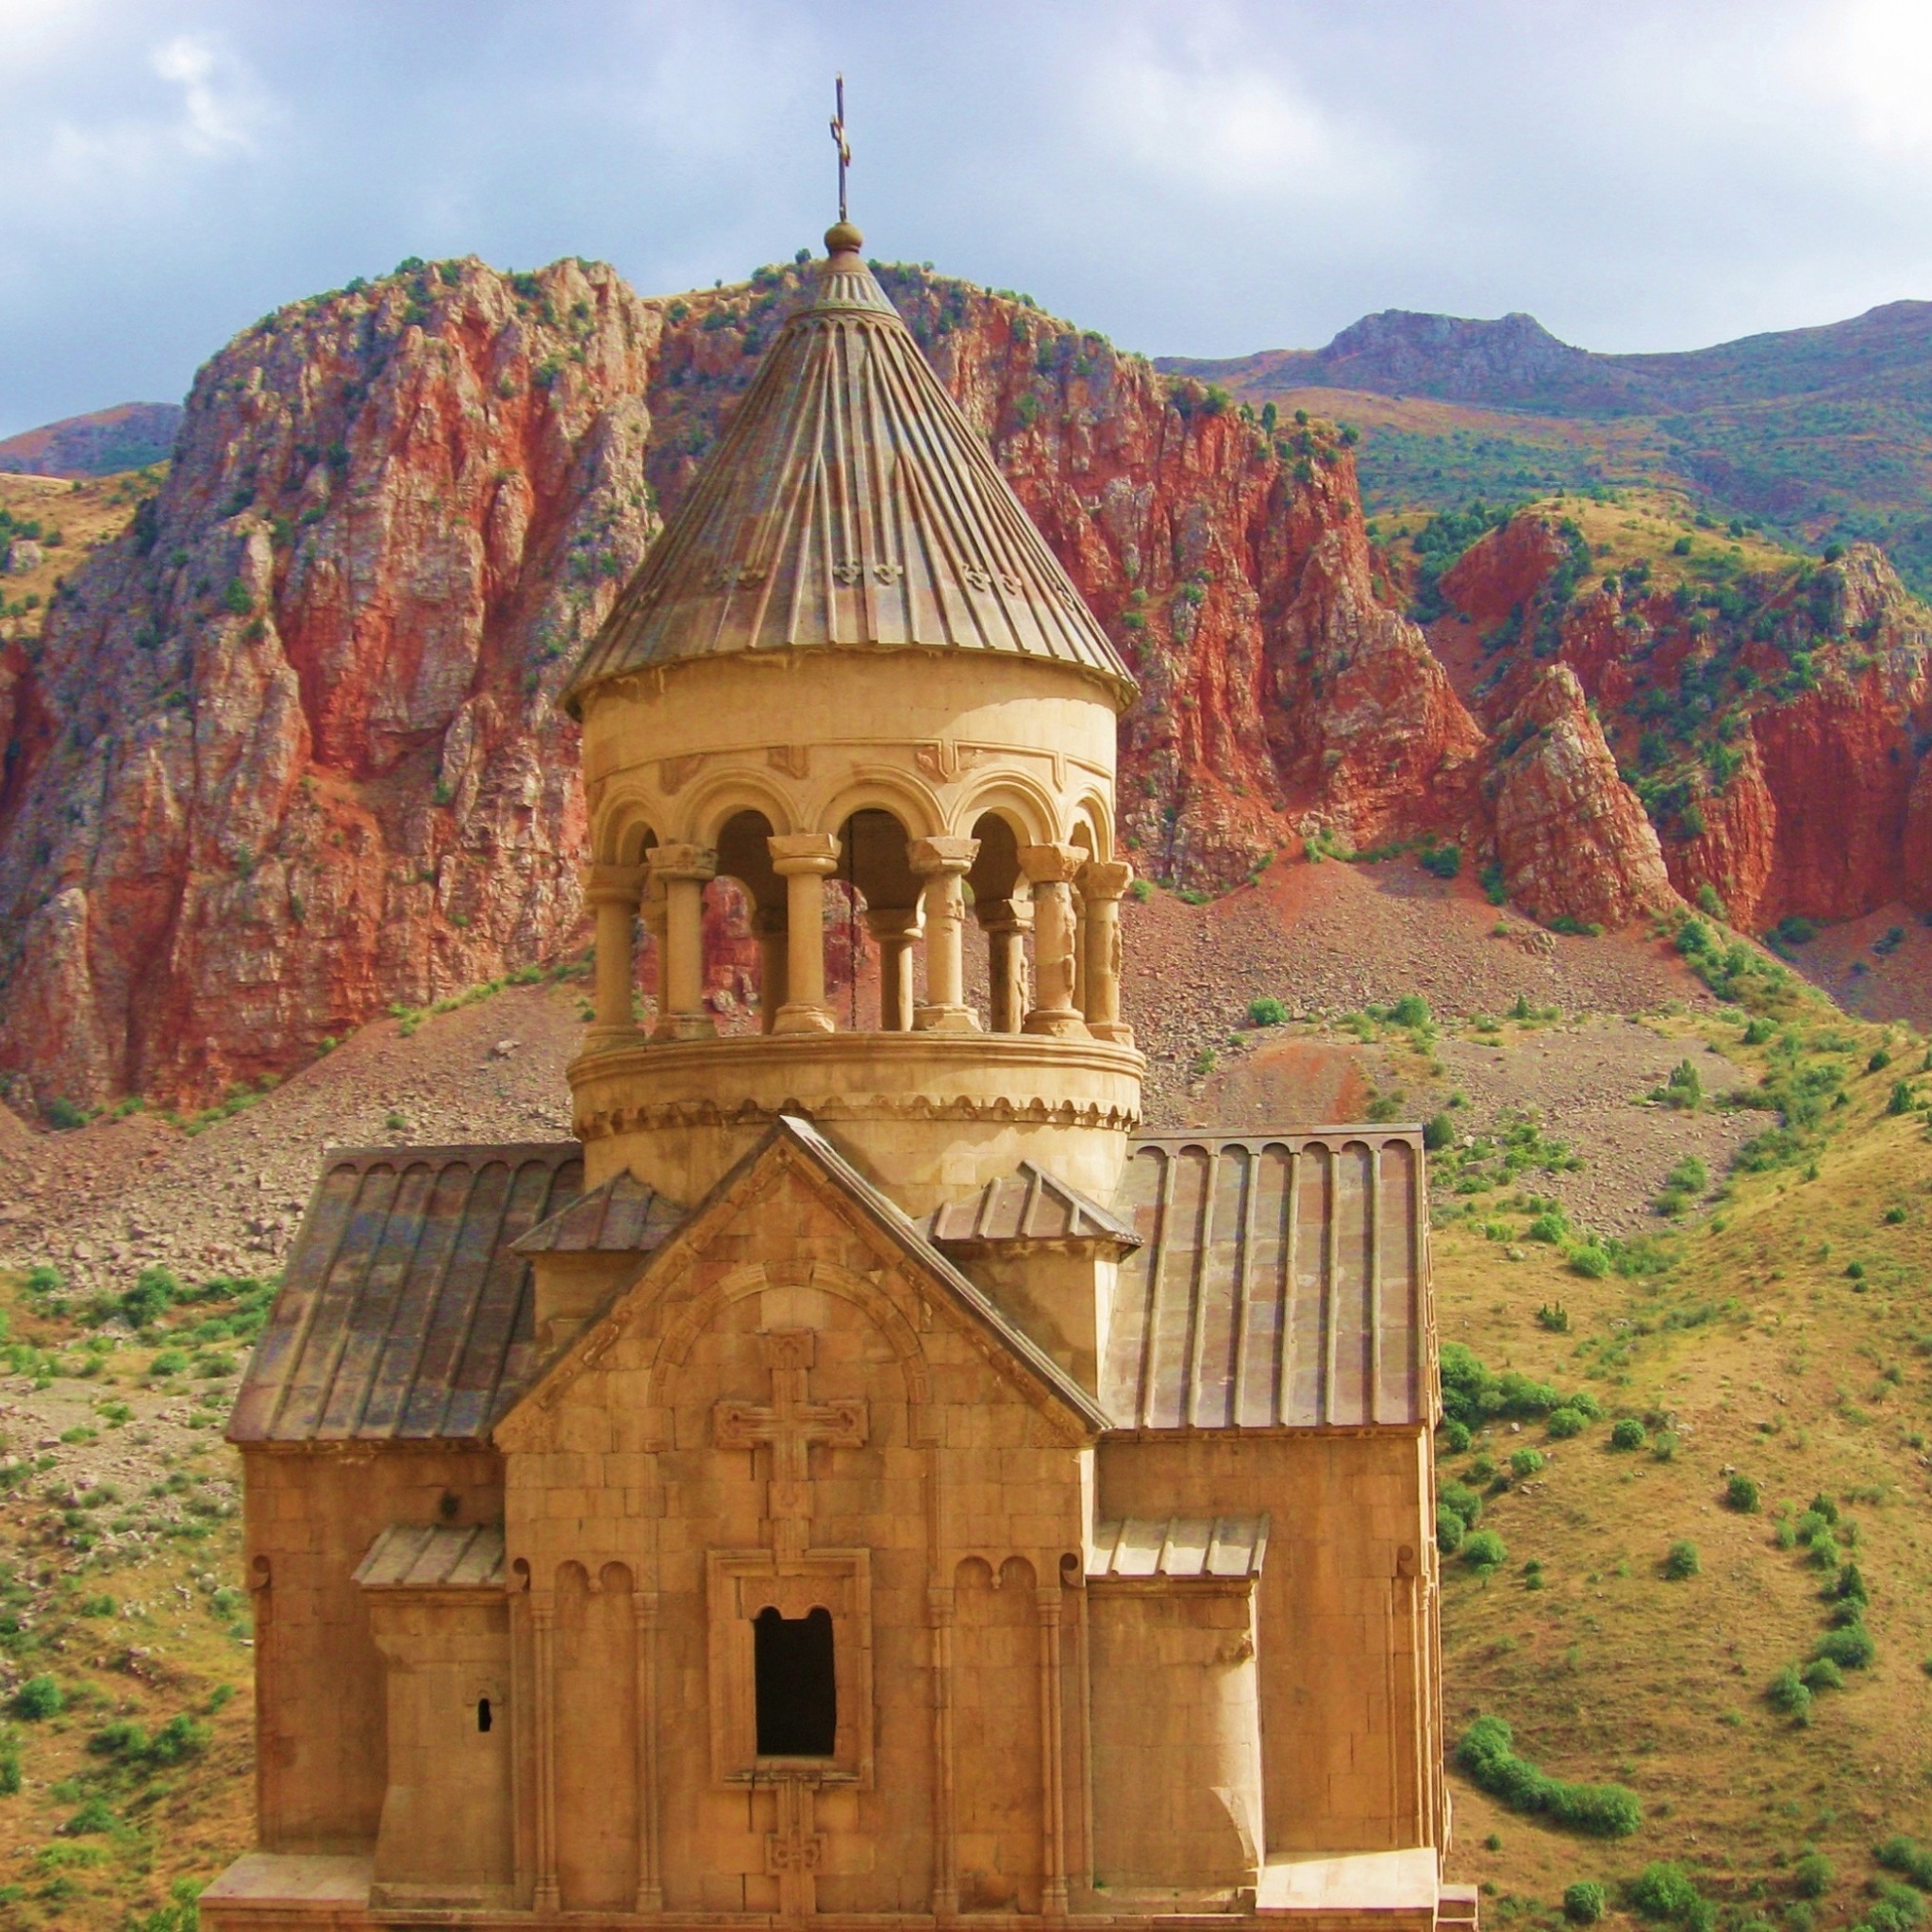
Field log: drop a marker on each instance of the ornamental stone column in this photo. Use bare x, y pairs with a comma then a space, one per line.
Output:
943, 864
768, 923
1103, 882
1052, 870
1005, 923
612, 893
805, 860
895, 929
682, 871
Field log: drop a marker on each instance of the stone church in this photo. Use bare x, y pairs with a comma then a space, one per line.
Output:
863, 1475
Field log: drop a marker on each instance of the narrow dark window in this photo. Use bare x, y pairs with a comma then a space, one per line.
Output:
483, 1719
798, 1697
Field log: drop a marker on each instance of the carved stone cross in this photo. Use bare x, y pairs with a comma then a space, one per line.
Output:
788, 1427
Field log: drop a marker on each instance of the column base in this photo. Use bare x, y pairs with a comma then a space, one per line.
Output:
1117, 1032
685, 1027
944, 1020
1056, 1023
799, 1017
607, 1039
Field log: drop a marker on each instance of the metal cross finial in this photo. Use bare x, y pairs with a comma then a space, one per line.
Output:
844, 147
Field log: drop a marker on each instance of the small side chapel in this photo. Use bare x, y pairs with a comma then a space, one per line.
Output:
865, 1477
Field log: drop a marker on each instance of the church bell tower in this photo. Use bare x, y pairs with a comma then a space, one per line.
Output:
852, 655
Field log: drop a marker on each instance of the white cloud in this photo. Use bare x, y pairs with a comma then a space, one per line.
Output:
220, 105
1205, 115
1875, 59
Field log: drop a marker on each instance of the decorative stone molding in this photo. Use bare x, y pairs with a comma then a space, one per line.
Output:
601, 1124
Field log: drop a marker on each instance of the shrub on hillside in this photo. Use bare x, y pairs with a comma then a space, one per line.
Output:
1909, 1859
1682, 1562
1788, 1692
1526, 1461
1473, 1394
1626, 1433
1584, 1902
1663, 1891
1564, 1423
1484, 1551
1821, 1674
1266, 1012
39, 1697
1487, 1752
1740, 1493
1811, 1876
1850, 1648
1450, 1531
1439, 1131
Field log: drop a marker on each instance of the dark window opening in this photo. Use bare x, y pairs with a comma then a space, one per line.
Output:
483, 1717
797, 1695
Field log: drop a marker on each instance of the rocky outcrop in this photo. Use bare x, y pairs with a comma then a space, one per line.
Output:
1779, 729
286, 753
1572, 838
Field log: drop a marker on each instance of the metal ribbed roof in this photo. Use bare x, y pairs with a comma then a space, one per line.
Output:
1028, 1204
1178, 1546
412, 1555
1280, 1283
404, 1311
850, 505
622, 1217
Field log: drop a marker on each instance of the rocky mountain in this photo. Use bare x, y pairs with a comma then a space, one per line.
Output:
127, 437
1818, 433
1769, 716
287, 754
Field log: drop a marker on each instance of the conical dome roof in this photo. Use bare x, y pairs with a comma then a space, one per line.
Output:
848, 506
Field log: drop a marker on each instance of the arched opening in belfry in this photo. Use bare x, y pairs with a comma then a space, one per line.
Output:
873, 925
1003, 918
794, 1685
744, 928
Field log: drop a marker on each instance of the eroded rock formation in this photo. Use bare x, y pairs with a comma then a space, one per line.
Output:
286, 753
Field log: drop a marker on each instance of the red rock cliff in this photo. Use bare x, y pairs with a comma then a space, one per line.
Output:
1778, 728
286, 753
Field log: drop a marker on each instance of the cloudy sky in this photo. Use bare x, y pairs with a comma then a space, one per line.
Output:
1191, 176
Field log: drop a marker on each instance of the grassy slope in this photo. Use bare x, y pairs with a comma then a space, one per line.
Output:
168, 1648
1798, 1376
85, 513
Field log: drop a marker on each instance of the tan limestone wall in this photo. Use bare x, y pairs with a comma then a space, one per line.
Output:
1177, 1800
447, 1819
1350, 1703
311, 1513
957, 1472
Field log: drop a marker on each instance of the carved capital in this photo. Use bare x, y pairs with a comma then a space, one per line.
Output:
613, 884
1101, 879
1052, 865
893, 922
793, 853
1004, 915
925, 856
682, 862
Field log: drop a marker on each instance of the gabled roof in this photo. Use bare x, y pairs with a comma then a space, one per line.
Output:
849, 505
1281, 1283
1028, 1204
621, 1217
404, 1312
791, 1137
414, 1555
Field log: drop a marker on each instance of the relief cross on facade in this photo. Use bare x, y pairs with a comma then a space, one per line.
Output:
787, 1428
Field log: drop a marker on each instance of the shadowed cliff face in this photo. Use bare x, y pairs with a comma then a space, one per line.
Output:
286, 753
